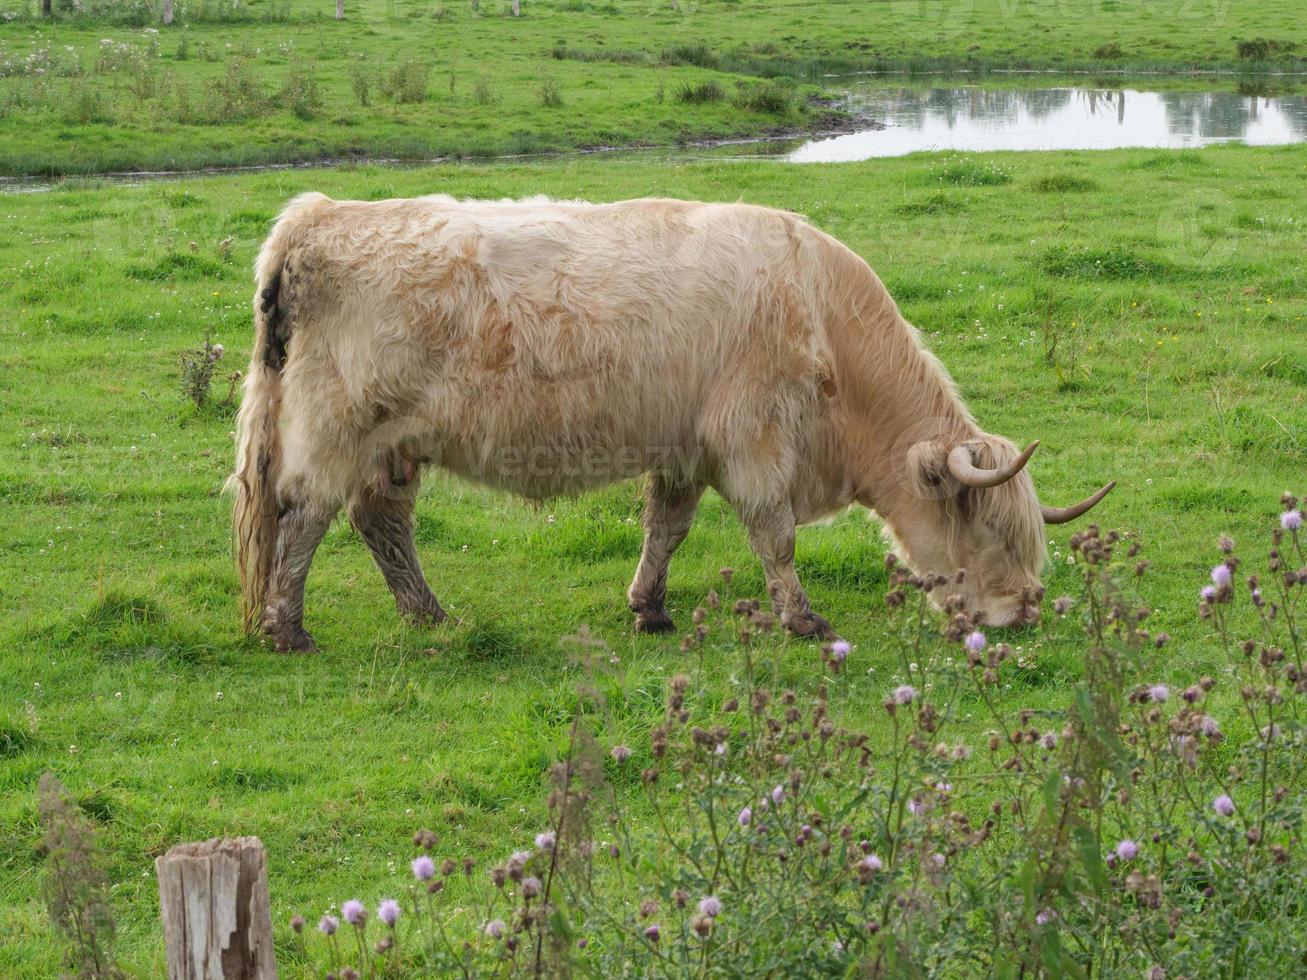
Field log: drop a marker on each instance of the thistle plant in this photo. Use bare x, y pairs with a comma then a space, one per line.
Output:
1141, 827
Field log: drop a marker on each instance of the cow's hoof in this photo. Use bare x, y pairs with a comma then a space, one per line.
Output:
810, 626
294, 641
656, 621
426, 615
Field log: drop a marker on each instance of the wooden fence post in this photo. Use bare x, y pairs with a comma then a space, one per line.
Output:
213, 897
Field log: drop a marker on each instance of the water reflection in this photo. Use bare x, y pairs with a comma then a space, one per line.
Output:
972, 118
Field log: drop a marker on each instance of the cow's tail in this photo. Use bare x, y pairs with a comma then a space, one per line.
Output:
258, 424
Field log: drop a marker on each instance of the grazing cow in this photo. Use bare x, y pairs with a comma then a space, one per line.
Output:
547, 347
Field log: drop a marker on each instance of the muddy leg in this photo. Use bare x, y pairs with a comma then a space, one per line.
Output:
386, 523
771, 533
668, 514
299, 530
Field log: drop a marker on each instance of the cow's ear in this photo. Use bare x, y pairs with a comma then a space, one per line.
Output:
927, 467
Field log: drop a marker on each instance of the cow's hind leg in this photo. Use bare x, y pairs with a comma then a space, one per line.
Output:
385, 520
668, 513
771, 533
300, 527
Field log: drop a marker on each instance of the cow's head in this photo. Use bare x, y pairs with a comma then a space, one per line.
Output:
974, 507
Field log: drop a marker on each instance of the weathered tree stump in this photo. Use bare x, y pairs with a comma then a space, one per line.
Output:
213, 897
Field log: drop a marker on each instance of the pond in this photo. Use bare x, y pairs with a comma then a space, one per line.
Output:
908, 118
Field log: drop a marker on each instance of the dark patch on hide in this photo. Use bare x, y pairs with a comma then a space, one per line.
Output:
274, 351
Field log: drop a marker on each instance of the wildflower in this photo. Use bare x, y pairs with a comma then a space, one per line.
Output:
778, 794
905, 694
328, 925
839, 650
1291, 520
1210, 727
976, 642
546, 841
1127, 850
1159, 692
1062, 604
1223, 805
1208, 593
621, 753
354, 912
1221, 576
652, 933
870, 863
424, 869
388, 911
495, 928
710, 906
1044, 916
746, 815
530, 887
916, 807
297, 923
1049, 741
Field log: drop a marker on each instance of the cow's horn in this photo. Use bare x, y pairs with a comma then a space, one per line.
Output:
1060, 515
960, 465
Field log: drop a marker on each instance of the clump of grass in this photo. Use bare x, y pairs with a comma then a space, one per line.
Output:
966, 171
1112, 262
771, 98
1108, 51
76, 886
699, 93
550, 95
938, 203
406, 82
699, 55
1063, 184
1263, 48
482, 93
237, 94
299, 89
360, 80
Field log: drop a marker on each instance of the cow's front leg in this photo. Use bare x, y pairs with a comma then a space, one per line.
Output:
385, 520
300, 528
668, 513
771, 533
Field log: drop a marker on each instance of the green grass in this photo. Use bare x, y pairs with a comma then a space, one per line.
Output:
1140, 312
280, 81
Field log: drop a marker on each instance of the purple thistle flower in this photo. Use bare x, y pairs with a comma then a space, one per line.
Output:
1061, 604
530, 887
388, 911
1223, 805
1044, 916
652, 933
1221, 576
839, 650
777, 794
710, 906
1127, 850
1291, 520
621, 753
870, 863
424, 869
745, 816
495, 928
905, 694
1159, 692
354, 912
1210, 726
1208, 593
546, 841
916, 807
328, 925
976, 642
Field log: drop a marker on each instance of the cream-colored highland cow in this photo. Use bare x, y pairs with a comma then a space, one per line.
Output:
548, 347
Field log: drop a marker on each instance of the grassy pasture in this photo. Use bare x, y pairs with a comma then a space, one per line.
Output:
280, 80
1140, 312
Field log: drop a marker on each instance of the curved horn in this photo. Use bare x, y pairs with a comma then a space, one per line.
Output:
967, 473
1060, 515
